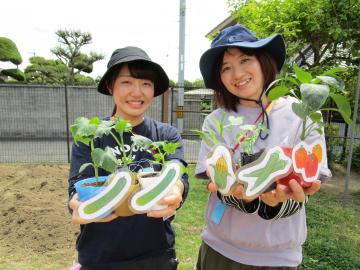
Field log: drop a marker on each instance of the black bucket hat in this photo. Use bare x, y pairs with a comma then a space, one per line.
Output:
241, 37
130, 54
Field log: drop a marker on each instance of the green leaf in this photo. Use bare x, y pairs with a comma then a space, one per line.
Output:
331, 81
95, 121
217, 123
221, 129
293, 80
141, 141
212, 136
348, 120
333, 71
316, 117
84, 166
299, 109
104, 159
203, 136
104, 128
320, 130
278, 91
158, 157
122, 125
158, 144
170, 147
342, 104
82, 130
314, 95
303, 76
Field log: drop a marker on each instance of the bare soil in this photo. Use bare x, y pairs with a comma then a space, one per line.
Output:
34, 219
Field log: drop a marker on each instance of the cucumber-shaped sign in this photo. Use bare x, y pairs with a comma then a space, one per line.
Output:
108, 199
143, 200
258, 175
220, 168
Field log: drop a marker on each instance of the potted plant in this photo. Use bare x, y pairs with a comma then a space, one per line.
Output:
86, 131
154, 185
113, 192
220, 163
312, 93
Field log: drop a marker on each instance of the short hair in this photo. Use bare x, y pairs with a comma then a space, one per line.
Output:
138, 69
223, 98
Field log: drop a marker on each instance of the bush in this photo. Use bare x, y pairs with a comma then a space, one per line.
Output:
331, 142
355, 163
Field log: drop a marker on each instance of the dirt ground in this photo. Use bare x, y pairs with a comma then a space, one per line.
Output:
34, 218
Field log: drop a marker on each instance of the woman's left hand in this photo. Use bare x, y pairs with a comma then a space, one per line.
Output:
172, 201
294, 191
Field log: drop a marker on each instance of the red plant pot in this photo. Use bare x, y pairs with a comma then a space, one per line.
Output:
292, 175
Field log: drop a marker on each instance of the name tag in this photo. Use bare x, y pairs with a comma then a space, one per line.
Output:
218, 212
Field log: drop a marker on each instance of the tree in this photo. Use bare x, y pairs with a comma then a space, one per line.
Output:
49, 71
69, 52
84, 80
320, 33
330, 28
171, 83
45, 71
10, 53
198, 83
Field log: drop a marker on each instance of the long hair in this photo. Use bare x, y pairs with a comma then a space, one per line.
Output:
223, 98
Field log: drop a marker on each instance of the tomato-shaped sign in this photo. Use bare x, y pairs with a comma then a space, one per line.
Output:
301, 157
292, 175
311, 166
318, 152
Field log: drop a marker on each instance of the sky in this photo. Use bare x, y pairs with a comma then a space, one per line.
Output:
152, 25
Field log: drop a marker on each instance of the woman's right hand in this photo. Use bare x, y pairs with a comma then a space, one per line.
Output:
76, 219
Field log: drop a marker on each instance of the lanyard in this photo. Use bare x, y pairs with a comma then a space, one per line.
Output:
248, 133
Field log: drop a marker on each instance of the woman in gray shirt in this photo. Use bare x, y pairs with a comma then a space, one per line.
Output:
268, 231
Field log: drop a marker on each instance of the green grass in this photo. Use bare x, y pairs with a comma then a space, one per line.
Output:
189, 223
333, 232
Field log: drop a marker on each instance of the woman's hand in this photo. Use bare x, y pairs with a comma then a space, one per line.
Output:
172, 201
294, 191
237, 190
76, 219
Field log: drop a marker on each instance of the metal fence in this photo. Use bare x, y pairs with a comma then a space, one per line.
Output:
34, 119
199, 102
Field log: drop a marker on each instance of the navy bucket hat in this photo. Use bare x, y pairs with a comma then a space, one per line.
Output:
130, 54
241, 37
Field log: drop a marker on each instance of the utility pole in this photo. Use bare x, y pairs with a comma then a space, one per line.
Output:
180, 107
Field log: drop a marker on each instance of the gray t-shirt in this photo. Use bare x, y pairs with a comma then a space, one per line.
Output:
248, 238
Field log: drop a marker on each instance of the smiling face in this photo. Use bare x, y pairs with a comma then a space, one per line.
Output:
242, 76
132, 96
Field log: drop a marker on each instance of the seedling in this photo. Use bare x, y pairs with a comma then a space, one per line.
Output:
86, 131
245, 137
160, 149
312, 93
